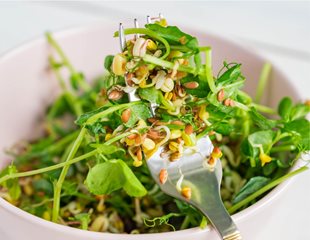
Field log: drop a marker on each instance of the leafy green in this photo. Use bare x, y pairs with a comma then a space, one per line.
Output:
202, 90
253, 185
12, 185
261, 121
108, 62
139, 111
231, 75
300, 129
150, 94
174, 35
285, 107
113, 175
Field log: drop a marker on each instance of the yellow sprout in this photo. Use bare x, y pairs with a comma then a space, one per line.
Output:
264, 158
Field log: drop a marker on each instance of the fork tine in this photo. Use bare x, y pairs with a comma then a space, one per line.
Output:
148, 19
122, 38
136, 26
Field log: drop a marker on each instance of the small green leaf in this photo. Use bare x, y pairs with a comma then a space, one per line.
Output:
113, 175
149, 94
232, 74
139, 111
84, 117
174, 35
301, 131
75, 79
253, 185
285, 107
299, 111
12, 184
108, 62
264, 138
261, 121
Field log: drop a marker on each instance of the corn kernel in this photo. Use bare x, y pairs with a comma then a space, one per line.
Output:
137, 163
46, 215
264, 158
173, 146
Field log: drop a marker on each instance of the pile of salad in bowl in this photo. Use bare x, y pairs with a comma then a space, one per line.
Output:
88, 169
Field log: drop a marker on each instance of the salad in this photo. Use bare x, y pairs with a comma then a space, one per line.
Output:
88, 169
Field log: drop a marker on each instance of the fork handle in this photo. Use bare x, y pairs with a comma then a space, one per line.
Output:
216, 212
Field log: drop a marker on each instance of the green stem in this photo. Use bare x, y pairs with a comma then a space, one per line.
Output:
185, 222
65, 61
58, 185
264, 189
262, 108
166, 64
63, 164
99, 115
151, 34
282, 148
262, 82
208, 69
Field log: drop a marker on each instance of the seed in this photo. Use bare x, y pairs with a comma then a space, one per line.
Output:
189, 129
186, 192
137, 163
221, 95
148, 144
182, 40
132, 136
153, 134
139, 154
191, 85
175, 156
152, 120
227, 102
232, 103
126, 115
163, 176
28, 189
168, 95
119, 65
307, 102
151, 45
216, 153
168, 85
173, 146
211, 133
211, 161
99, 223
177, 122
176, 133
115, 95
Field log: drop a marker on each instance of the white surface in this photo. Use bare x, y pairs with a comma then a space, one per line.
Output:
278, 30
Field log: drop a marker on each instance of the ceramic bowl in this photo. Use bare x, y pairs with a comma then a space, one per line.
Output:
27, 87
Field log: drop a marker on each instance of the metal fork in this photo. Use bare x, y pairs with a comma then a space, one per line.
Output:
191, 170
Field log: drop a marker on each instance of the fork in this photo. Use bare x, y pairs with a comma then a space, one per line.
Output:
191, 170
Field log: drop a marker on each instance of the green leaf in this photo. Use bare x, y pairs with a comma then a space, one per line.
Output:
231, 75
301, 131
285, 107
43, 185
264, 138
75, 79
108, 62
84, 219
106, 149
202, 90
84, 117
224, 128
12, 184
174, 35
139, 111
260, 120
149, 94
299, 111
253, 185
113, 175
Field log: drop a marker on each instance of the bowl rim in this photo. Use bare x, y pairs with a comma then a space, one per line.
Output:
240, 216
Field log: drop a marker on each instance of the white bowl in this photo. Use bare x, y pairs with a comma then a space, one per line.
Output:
27, 87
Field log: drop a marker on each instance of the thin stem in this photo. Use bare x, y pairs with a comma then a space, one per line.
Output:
58, 185
99, 115
166, 64
264, 189
208, 69
185, 222
151, 34
65, 61
262, 82
282, 148
262, 108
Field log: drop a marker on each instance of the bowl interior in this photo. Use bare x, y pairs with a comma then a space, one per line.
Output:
27, 85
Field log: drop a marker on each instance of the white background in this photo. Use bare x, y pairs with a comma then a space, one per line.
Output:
279, 30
